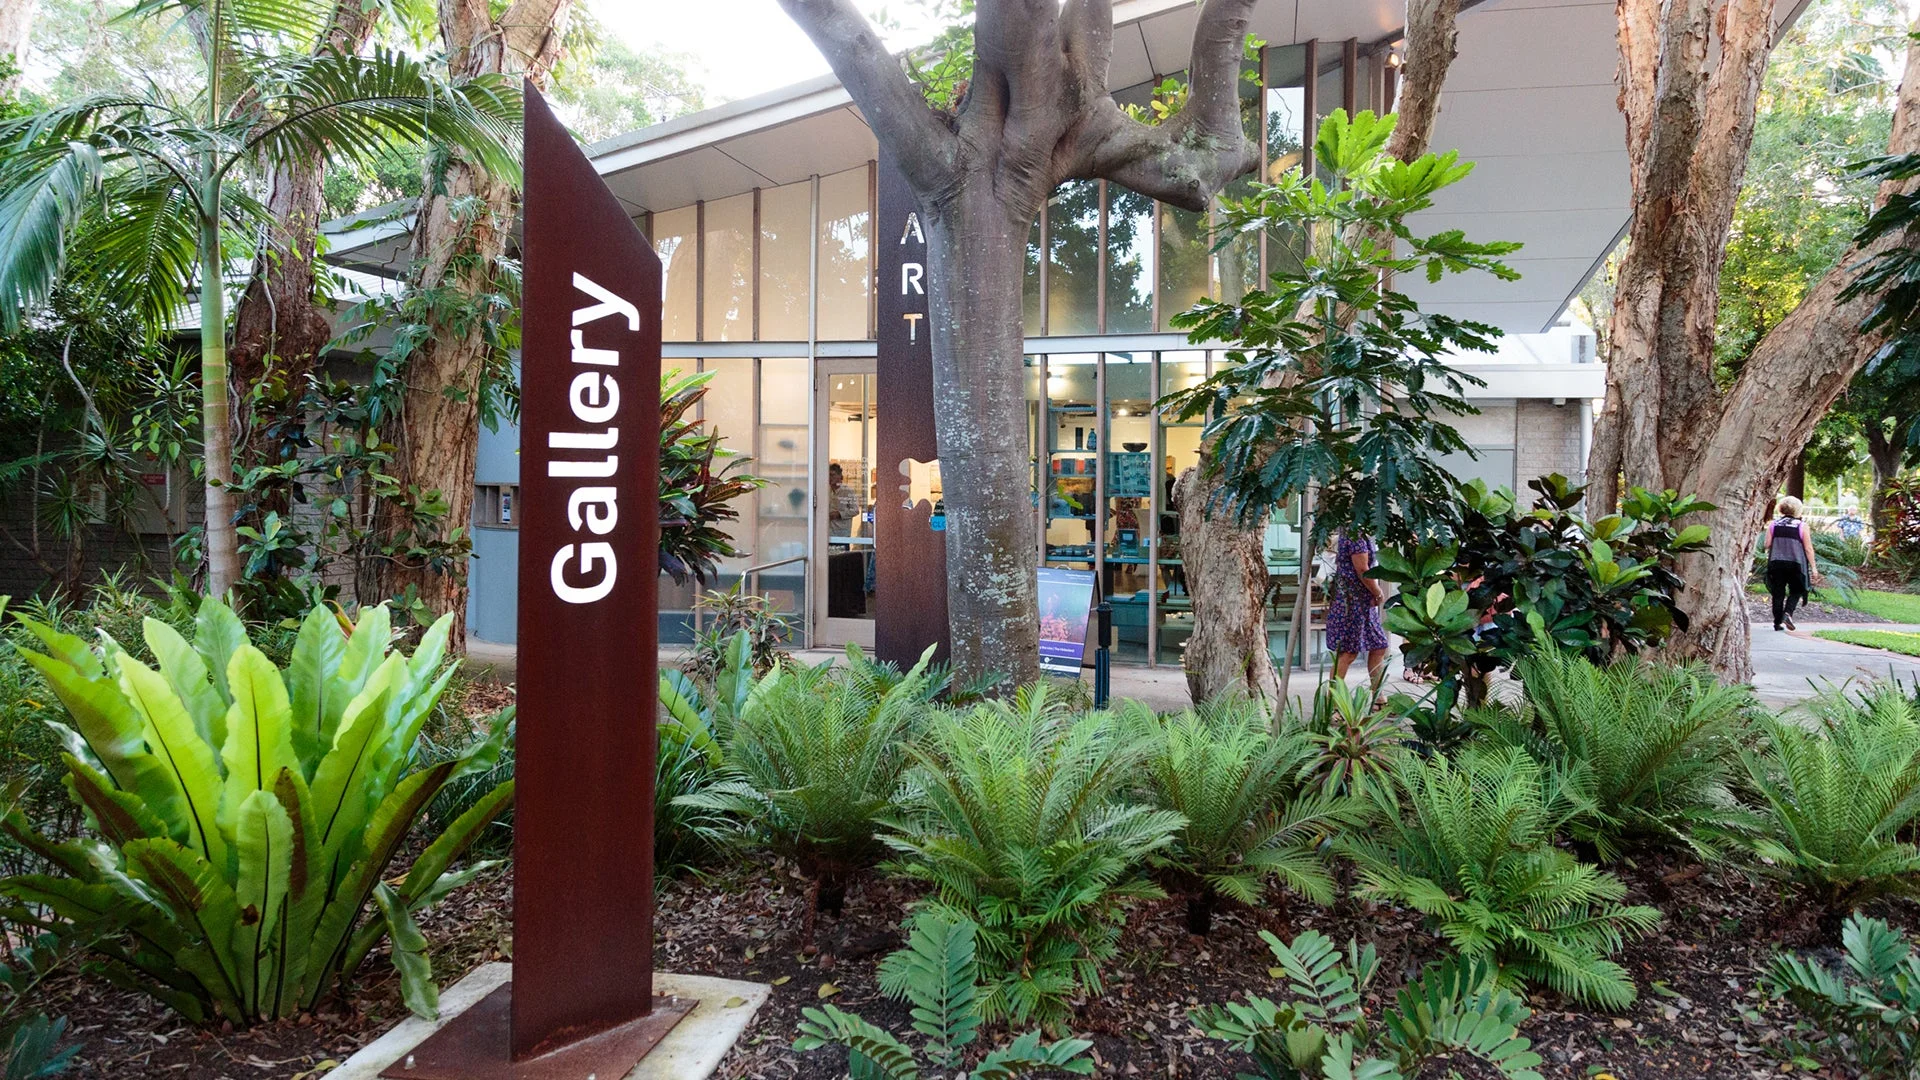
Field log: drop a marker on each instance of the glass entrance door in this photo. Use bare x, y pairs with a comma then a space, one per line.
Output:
847, 480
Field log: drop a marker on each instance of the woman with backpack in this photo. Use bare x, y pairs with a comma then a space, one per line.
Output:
1790, 569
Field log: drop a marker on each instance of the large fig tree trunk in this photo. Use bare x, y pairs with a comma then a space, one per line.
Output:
1431, 44
976, 407
1666, 423
1037, 112
1226, 567
464, 222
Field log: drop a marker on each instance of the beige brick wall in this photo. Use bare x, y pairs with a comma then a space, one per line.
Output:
1548, 442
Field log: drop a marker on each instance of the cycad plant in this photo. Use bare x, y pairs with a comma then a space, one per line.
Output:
1321, 1031
143, 196
1867, 1012
1469, 843
814, 759
244, 817
1836, 797
1659, 743
1252, 811
1014, 816
937, 975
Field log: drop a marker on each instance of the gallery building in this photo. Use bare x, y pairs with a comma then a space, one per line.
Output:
764, 214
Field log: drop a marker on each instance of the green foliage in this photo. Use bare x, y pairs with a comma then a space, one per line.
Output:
1469, 843
1511, 579
699, 477
731, 613
1837, 796
688, 762
1251, 810
1321, 1031
30, 1049
1335, 381
813, 759
1907, 644
1013, 814
246, 816
1357, 744
937, 975
1868, 1013
1657, 744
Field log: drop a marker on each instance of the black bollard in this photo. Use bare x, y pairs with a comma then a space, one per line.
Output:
1102, 662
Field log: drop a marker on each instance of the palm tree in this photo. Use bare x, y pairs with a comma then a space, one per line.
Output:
143, 196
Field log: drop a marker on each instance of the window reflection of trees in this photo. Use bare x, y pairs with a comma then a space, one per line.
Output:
1130, 261
846, 252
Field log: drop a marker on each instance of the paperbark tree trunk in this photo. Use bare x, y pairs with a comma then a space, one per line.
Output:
16, 29
1666, 423
1432, 42
1226, 567
1037, 112
277, 324
462, 228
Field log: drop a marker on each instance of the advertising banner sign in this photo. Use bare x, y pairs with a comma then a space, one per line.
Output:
1066, 601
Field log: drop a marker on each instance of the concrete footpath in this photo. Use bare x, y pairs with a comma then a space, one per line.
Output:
1787, 667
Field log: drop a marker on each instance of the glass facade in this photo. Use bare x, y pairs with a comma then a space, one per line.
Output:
794, 264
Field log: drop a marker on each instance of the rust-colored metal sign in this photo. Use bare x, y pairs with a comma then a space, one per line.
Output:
910, 555
588, 637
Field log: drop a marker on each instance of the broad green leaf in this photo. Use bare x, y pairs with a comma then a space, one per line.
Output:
453, 842
306, 888
217, 633
68, 649
201, 900
409, 954
189, 798
341, 799
120, 816
103, 717
317, 652
263, 838
186, 672
259, 743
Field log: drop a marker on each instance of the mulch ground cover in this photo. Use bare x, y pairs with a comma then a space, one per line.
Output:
1699, 1014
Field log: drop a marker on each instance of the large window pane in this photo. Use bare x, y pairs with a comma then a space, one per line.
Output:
1185, 261
1073, 439
1073, 251
1286, 119
1131, 479
1130, 259
729, 269
786, 220
1329, 93
675, 241
846, 255
782, 459
1179, 450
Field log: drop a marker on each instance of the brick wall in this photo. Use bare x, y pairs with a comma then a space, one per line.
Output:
1548, 441
21, 575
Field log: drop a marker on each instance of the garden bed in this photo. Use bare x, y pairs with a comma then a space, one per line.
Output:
1698, 1014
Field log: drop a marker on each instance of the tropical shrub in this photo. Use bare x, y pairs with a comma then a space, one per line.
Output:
813, 761
1469, 843
1251, 810
1836, 797
1658, 743
937, 975
732, 612
1320, 1031
1013, 815
1514, 578
699, 478
246, 816
1867, 1013
687, 762
29, 1040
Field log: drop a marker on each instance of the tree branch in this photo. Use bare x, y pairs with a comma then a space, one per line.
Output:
1432, 44
1202, 148
922, 146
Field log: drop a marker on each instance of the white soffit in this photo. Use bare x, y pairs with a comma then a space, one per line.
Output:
1530, 100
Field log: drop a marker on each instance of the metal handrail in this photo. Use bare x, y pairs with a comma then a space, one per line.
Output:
772, 565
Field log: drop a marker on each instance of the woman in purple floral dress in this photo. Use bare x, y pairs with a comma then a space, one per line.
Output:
1353, 610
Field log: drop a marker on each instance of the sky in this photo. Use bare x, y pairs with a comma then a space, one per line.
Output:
739, 48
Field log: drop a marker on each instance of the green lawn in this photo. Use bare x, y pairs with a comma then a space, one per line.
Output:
1892, 606
1890, 640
